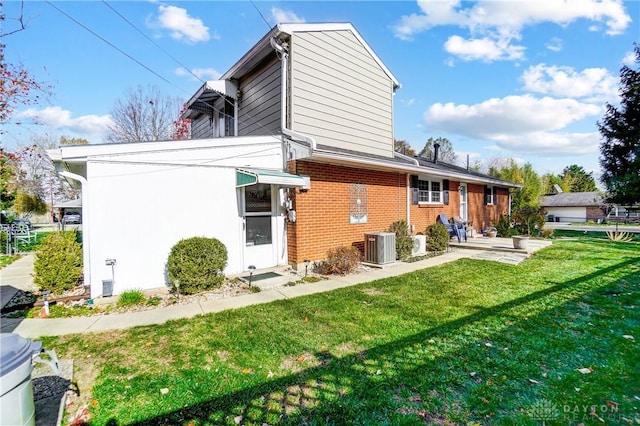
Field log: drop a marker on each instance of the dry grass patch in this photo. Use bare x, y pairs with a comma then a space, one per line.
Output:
371, 291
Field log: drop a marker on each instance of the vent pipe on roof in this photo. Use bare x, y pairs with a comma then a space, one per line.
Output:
436, 148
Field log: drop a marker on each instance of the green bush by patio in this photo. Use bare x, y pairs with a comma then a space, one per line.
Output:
196, 264
58, 262
437, 237
404, 243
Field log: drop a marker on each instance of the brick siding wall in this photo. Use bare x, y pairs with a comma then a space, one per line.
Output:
322, 213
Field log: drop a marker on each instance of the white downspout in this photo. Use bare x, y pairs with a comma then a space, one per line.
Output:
86, 241
408, 185
283, 99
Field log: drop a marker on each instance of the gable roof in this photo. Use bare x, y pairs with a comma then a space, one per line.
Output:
263, 47
572, 199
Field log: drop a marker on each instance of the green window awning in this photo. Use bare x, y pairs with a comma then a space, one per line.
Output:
246, 177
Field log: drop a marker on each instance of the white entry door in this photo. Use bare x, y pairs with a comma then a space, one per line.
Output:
258, 223
464, 204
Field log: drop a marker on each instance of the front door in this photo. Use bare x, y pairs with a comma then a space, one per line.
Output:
258, 224
464, 205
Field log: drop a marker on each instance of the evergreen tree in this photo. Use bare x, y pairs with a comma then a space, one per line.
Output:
620, 146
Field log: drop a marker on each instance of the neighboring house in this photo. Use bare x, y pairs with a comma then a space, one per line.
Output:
574, 206
292, 155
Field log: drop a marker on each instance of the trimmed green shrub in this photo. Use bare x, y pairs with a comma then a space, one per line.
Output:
58, 262
196, 264
437, 237
339, 261
404, 243
504, 227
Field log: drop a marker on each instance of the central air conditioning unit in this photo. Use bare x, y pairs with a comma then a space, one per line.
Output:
380, 247
419, 245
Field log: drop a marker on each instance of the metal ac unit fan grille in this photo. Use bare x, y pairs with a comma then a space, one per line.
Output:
380, 247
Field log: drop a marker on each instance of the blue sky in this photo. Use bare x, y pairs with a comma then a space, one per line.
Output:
520, 79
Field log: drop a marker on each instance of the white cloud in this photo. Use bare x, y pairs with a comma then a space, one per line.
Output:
494, 24
485, 49
281, 16
555, 44
590, 83
181, 26
519, 123
58, 118
201, 73
629, 59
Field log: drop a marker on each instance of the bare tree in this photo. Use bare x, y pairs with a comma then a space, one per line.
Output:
18, 86
36, 174
143, 114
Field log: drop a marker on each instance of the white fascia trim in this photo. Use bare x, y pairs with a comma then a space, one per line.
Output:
321, 154
82, 152
260, 46
337, 26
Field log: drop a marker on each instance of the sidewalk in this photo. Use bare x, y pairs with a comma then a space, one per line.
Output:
33, 328
16, 276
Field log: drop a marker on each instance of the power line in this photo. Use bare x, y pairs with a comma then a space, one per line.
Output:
260, 13
112, 45
151, 40
154, 72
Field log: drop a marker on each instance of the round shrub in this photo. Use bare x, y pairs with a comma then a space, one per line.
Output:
404, 243
58, 262
437, 237
196, 264
340, 261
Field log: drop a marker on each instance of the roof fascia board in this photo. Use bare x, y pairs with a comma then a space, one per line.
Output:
418, 170
79, 153
259, 47
338, 26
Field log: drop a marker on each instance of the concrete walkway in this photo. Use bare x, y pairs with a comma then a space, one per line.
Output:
17, 276
32, 328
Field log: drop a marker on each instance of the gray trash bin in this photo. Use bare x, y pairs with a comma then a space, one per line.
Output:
16, 389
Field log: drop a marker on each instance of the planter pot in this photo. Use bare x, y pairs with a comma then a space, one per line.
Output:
520, 242
492, 234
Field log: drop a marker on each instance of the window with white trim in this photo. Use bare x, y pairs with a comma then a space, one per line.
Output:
430, 191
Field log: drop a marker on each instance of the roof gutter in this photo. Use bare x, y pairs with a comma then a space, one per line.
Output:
414, 169
406, 157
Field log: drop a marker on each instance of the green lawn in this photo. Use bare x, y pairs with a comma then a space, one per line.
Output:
471, 342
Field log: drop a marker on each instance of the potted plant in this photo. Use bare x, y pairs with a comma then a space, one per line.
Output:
528, 220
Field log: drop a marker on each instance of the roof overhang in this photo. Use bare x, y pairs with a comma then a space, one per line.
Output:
71, 204
263, 47
249, 176
202, 101
389, 165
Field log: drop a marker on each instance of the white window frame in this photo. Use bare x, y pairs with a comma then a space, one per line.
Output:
429, 194
490, 195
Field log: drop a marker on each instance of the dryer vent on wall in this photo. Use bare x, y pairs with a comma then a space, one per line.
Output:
380, 247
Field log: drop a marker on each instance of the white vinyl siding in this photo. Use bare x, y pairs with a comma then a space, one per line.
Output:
259, 106
339, 94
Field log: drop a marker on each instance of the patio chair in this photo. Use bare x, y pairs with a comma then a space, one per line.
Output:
454, 230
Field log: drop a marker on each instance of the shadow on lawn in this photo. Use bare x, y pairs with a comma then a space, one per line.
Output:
370, 386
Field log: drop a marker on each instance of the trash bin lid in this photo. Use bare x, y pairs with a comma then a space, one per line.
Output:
15, 350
